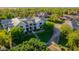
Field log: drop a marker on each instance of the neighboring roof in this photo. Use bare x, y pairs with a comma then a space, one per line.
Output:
65, 17
5, 21
76, 18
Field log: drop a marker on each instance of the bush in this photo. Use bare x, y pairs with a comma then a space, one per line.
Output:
31, 45
73, 40
17, 34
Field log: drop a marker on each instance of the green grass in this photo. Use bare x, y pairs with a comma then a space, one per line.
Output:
46, 35
28, 37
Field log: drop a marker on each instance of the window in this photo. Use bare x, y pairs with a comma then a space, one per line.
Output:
26, 25
40, 23
30, 24
30, 28
27, 29
34, 28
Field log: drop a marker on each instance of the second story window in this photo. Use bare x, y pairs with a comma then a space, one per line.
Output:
26, 25
40, 23
30, 24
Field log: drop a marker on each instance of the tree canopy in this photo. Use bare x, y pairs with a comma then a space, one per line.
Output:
73, 40
65, 29
17, 34
31, 45
6, 13
5, 39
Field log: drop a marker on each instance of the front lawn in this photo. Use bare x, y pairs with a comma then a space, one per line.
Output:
46, 35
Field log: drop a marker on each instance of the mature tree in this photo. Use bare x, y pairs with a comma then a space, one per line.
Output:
48, 25
17, 34
10, 15
24, 12
65, 30
5, 39
73, 40
55, 18
3, 16
31, 45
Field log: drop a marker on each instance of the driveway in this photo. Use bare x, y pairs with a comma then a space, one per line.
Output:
56, 34
74, 24
52, 44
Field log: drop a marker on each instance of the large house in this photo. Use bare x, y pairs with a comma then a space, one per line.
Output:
28, 24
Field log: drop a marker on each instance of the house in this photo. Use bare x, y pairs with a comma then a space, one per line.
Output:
42, 14
33, 23
6, 23
72, 20
29, 24
67, 17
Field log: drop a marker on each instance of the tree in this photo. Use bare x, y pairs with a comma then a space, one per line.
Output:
73, 40
10, 15
3, 16
54, 18
5, 39
17, 34
31, 45
65, 30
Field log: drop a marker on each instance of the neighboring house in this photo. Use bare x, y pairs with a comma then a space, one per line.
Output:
71, 20
29, 24
67, 17
6, 23
42, 14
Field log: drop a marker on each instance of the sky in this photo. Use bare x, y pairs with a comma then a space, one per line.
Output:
39, 3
